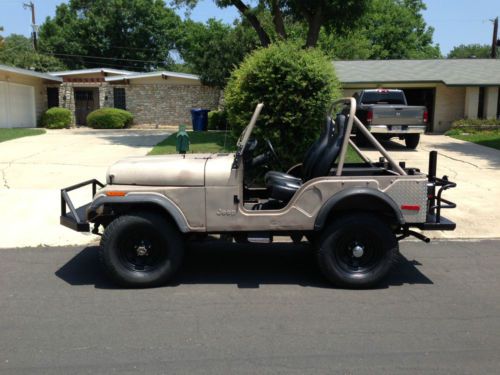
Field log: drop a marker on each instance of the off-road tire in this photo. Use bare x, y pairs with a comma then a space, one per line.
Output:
336, 260
412, 140
125, 267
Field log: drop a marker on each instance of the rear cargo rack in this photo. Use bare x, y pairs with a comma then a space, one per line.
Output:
76, 218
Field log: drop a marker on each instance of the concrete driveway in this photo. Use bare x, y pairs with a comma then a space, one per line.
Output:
34, 169
475, 169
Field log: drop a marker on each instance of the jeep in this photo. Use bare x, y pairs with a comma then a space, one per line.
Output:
353, 215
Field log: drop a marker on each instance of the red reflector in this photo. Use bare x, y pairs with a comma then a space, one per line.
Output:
410, 207
116, 193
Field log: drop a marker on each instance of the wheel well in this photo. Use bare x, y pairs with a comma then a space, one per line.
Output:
360, 203
113, 210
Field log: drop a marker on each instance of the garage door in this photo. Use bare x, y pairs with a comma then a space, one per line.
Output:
17, 106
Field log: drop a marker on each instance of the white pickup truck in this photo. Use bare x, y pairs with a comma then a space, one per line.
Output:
387, 114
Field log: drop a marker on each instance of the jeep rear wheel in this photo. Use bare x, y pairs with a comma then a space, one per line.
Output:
141, 250
356, 251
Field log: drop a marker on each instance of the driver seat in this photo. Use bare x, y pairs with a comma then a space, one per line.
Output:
317, 161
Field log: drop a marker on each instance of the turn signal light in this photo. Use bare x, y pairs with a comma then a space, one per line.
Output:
115, 193
426, 117
369, 117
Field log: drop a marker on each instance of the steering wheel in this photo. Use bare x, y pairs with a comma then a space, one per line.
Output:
273, 153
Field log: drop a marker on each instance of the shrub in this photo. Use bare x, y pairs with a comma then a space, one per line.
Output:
109, 118
296, 86
473, 126
217, 120
56, 118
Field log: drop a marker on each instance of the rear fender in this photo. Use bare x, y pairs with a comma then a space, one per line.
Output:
358, 199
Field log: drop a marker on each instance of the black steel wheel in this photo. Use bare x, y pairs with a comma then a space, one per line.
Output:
356, 250
141, 250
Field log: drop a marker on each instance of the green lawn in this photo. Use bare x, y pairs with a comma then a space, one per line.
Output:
212, 142
200, 142
484, 138
8, 134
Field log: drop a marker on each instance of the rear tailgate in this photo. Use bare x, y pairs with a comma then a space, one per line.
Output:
397, 115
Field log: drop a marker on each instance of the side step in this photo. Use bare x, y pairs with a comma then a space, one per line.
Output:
259, 237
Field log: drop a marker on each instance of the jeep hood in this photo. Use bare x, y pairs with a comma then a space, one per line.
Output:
168, 170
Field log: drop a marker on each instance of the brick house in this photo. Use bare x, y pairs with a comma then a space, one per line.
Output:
160, 98
451, 89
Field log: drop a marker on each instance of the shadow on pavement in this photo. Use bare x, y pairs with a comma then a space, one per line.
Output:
247, 266
389, 145
469, 150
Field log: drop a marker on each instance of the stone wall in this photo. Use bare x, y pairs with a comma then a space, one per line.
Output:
167, 104
158, 104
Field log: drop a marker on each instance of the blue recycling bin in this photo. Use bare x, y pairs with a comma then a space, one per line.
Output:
200, 119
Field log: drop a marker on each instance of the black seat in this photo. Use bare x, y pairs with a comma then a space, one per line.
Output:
312, 153
317, 161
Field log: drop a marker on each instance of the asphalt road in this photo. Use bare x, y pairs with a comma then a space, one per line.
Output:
242, 310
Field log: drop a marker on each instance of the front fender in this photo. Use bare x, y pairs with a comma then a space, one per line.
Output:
144, 198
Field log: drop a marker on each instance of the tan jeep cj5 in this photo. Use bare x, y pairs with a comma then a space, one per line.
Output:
352, 214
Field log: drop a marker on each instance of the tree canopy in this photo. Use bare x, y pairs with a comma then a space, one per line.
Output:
127, 34
17, 50
333, 14
468, 51
214, 49
391, 29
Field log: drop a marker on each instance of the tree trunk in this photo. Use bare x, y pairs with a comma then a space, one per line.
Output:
263, 37
278, 18
314, 28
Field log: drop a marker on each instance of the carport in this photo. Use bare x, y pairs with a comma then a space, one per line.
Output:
22, 96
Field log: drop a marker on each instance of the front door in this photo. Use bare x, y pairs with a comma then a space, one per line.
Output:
84, 104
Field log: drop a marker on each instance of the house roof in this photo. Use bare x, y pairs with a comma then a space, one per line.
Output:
151, 75
452, 72
27, 72
91, 71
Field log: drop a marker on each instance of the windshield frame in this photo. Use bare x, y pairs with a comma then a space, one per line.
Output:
245, 135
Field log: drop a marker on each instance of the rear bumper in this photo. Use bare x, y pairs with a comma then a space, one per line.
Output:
397, 129
76, 218
432, 223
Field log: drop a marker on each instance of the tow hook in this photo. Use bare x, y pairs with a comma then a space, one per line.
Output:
407, 233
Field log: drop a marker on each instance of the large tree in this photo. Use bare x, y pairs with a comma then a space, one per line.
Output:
17, 50
468, 51
214, 49
332, 14
127, 34
396, 29
391, 29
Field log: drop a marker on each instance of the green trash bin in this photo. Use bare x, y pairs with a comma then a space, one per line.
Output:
182, 140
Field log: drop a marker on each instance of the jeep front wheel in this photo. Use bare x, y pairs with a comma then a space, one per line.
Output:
356, 251
141, 250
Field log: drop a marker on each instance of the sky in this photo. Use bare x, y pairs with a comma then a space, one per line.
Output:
455, 21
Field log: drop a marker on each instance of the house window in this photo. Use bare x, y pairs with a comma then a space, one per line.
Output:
480, 107
52, 97
119, 100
